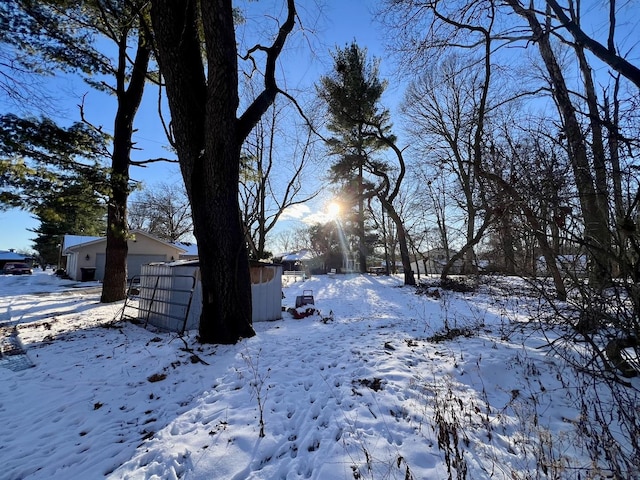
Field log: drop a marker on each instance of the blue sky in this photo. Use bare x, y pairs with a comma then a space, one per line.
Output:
339, 23
327, 24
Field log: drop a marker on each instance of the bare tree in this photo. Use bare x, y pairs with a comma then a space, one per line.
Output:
592, 200
271, 180
569, 18
442, 108
162, 210
387, 192
290, 240
534, 197
437, 27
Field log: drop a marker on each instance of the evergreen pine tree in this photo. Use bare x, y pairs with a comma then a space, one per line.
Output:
352, 94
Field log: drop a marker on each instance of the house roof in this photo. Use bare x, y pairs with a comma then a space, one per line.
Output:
70, 241
74, 242
299, 255
8, 255
191, 249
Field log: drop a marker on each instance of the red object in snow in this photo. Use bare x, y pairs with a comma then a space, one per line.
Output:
299, 313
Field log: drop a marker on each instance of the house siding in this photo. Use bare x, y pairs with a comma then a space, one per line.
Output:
142, 249
135, 262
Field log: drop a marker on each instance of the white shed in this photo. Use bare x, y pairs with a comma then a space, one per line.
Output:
171, 294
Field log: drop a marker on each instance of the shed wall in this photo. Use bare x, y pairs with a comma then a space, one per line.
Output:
173, 279
266, 293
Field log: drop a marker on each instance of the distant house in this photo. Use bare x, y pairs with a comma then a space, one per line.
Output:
434, 261
7, 256
86, 255
294, 261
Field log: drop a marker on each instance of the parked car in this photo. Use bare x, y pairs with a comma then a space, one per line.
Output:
17, 269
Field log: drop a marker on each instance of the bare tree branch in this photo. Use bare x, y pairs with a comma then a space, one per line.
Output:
607, 55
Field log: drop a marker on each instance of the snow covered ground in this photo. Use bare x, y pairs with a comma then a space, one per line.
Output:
368, 389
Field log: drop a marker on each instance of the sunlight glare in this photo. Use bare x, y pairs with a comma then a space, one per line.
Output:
333, 209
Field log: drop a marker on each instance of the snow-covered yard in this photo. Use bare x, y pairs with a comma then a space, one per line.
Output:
369, 389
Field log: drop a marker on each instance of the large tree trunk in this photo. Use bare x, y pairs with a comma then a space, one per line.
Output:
225, 276
115, 273
362, 242
208, 137
409, 278
204, 124
226, 281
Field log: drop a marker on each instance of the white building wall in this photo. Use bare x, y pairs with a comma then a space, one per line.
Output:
174, 279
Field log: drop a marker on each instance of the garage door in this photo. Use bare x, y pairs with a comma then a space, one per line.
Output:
134, 263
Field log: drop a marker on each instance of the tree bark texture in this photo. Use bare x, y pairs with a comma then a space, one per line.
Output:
208, 138
129, 98
409, 278
203, 114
